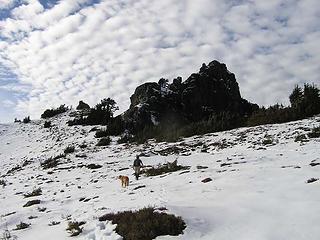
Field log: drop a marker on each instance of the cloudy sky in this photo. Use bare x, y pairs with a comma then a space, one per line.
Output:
62, 51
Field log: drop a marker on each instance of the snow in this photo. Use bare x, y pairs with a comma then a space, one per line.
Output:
258, 191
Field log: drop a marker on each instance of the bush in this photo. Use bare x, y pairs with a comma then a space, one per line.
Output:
3, 183
315, 133
267, 141
26, 120
125, 139
22, 225
93, 166
83, 145
74, 228
162, 169
101, 133
35, 192
104, 141
300, 138
69, 149
49, 163
145, 224
101, 114
53, 112
47, 124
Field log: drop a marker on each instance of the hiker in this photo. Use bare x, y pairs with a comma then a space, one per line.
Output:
136, 166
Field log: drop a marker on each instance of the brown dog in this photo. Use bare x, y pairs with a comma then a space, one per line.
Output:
124, 180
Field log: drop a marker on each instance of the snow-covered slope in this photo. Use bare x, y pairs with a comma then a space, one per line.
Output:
259, 186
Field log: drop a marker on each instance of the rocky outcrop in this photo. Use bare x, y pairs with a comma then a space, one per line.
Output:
210, 91
83, 106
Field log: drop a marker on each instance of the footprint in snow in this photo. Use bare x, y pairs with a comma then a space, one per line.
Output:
103, 231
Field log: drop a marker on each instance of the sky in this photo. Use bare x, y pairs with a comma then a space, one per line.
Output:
55, 52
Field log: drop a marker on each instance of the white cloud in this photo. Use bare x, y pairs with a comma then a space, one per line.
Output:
73, 51
5, 4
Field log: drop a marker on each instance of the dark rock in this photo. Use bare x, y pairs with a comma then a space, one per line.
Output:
32, 202
206, 180
93, 166
211, 91
141, 186
122, 169
314, 164
82, 106
201, 167
311, 180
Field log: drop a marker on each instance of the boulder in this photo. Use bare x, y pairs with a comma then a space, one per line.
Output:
82, 106
212, 90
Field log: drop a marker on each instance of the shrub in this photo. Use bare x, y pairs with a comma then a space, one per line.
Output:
17, 120
69, 149
53, 112
47, 124
311, 180
26, 120
101, 114
101, 133
83, 145
145, 224
74, 228
300, 138
104, 141
93, 166
35, 192
125, 138
14, 169
267, 141
51, 162
162, 169
3, 183
22, 225
315, 133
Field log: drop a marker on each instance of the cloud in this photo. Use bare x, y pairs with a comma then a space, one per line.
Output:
88, 50
5, 4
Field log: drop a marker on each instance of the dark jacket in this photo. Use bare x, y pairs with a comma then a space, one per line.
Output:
137, 163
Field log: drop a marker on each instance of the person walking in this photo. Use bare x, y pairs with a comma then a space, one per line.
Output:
137, 164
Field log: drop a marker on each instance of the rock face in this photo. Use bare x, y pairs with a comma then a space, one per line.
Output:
211, 91
82, 106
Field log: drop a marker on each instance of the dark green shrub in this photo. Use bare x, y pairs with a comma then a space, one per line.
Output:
14, 169
3, 183
49, 163
83, 145
93, 166
35, 192
26, 120
69, 149
315, 133
300, 138
126, 138
47, 124
267, 141
145, 224
53, 112
101, 133
74, 228
101, 114
104, 141
162, 169
22, 225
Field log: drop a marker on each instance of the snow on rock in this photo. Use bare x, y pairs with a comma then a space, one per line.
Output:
258, 191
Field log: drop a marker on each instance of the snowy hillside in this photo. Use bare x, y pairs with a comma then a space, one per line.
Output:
259, 188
